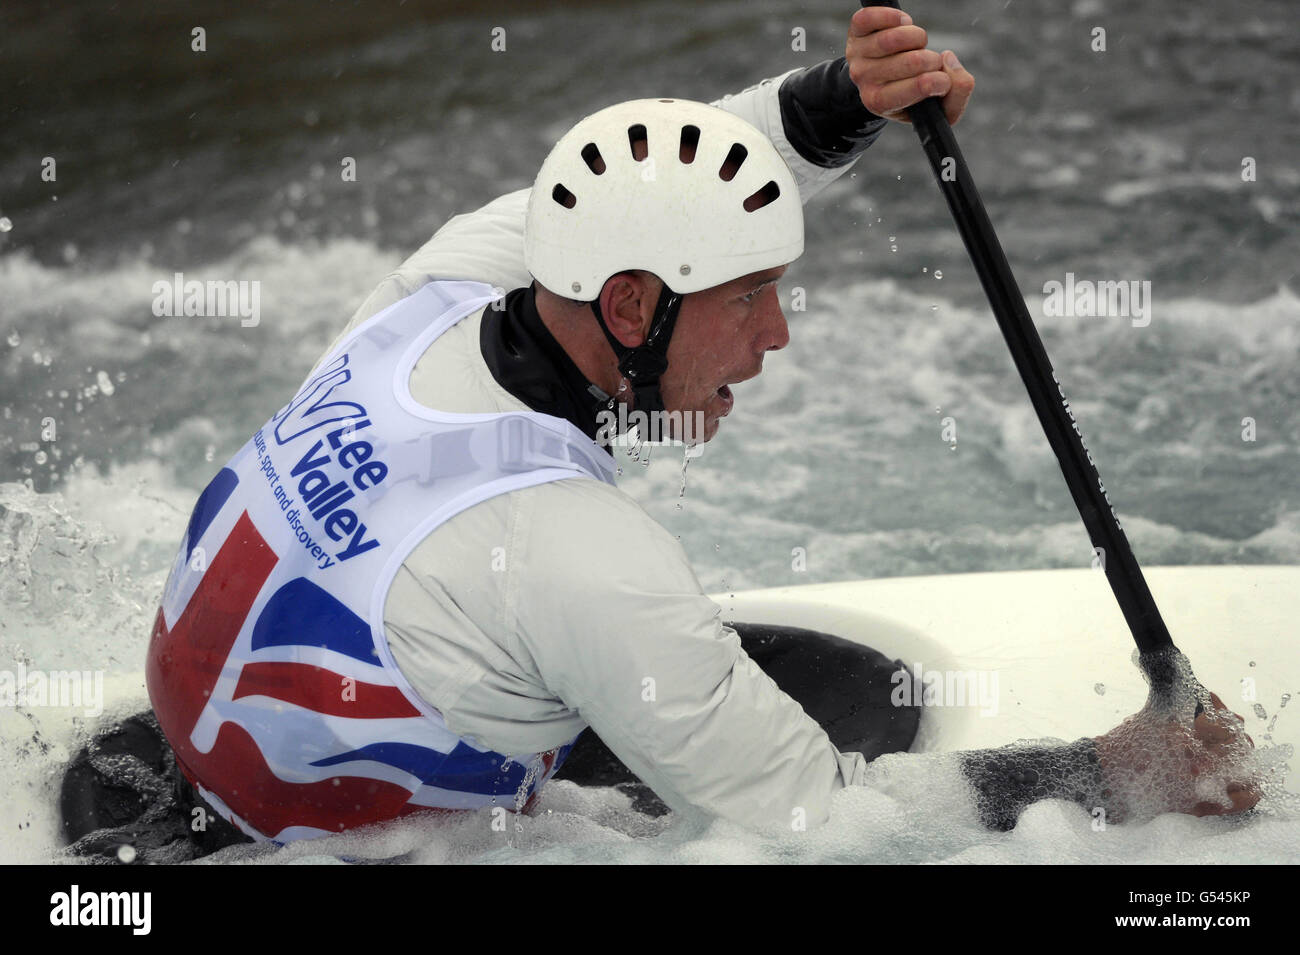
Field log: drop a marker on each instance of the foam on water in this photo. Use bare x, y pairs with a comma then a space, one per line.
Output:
915, 808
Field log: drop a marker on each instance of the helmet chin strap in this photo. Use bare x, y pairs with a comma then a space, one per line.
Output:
644, 364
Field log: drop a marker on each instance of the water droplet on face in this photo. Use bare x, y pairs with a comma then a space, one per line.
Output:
938, 274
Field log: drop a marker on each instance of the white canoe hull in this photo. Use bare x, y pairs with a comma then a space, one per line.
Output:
1043, 642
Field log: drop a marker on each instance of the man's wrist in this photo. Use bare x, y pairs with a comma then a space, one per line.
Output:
823, 116
1006, 781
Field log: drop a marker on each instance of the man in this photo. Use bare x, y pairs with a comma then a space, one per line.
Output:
418, 585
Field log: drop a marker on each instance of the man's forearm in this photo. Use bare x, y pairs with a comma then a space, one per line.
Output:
823, 116
1008, 780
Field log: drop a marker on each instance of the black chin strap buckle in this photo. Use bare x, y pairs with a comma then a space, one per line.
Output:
642, 366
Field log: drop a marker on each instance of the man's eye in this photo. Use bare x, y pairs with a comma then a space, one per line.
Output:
747, 299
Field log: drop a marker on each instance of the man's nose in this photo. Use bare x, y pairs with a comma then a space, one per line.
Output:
778, 335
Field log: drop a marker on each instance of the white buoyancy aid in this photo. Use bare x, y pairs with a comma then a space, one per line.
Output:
268, 668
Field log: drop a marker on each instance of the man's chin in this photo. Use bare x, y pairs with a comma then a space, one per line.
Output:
711, 422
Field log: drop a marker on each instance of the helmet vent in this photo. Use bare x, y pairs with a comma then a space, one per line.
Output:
639, 141
564, 197
690, 142
764, 196
731, 165
591, 156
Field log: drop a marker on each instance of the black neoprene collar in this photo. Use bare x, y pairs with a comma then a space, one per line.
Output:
527, 361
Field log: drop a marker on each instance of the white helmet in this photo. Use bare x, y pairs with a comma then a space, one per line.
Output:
671, 213
708, 200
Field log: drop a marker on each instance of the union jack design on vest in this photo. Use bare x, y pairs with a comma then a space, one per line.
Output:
269, 668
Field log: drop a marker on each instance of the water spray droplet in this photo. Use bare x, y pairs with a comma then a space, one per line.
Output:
938, 274
1100, 689
5, 224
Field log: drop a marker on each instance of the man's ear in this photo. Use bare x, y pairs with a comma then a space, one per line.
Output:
627, 301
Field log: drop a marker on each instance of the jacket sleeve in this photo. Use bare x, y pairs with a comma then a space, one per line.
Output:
814, 118
811, 115
607, 611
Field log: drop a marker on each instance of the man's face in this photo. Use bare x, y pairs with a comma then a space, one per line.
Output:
720, 338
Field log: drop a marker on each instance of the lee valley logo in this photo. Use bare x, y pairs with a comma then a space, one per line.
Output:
102, 908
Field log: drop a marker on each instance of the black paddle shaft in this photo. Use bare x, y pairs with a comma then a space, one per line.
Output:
1050, 403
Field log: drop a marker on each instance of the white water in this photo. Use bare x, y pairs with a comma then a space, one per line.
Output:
80, 591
